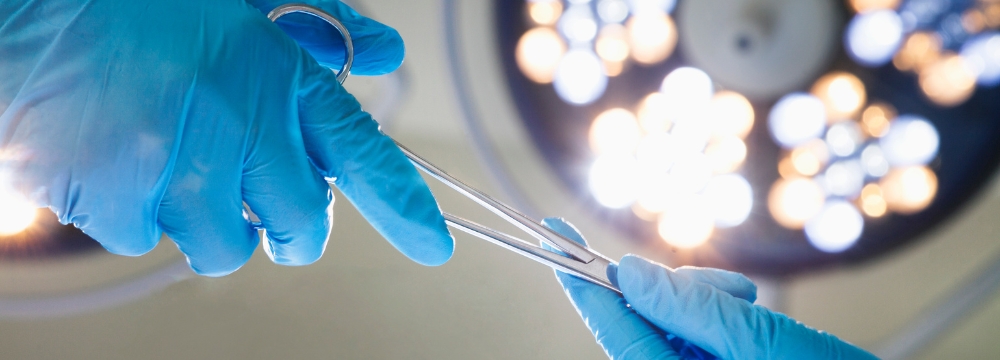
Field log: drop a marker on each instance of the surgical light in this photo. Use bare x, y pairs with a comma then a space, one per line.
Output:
614, 131
612, 11
842, 93
869, 5
794, 201
911, 141
654, 112
796, 119
919, 49
726, 154
949, 81
545, 12
16, 213
844, 138
731, 199
837, 226
688, 222
688, 91
875, 119
652, 37
578, 24
910, 189
873, 37
844, 179
538, 54
731, 114
872, 201
613, 180
579, 77
982, 56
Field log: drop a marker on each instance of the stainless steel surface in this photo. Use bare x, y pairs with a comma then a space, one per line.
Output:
585, 264
317, 12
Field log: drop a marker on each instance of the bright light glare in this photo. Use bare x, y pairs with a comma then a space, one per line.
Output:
730, 198
873, 161
726, 154
613, 180
612, 11
730, 114
842, 93
580, 77
873, 37
910, 189
844, 178
652, 37
538, 53
691, 173
919, 49
869, 5
911, 141
688, 91
844, 138
647, 6
614, 131
16, 213
796, 119
657, 151
982, 55
792, 202
810, 158
949, 81
578, 24
836, 228
612, 43
687, 223
545, 12
872, 202
654, 113
876, 119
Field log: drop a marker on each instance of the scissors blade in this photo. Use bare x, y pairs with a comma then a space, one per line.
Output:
522, 221
595, 271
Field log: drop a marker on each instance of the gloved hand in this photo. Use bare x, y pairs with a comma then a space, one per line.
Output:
666, 313
129, 118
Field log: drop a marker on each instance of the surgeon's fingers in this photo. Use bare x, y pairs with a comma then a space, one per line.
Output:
731, 282
348, 148
202, 207
620, 331
378, 49
716, 321
283, 189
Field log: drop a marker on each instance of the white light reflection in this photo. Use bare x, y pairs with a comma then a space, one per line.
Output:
873, 161
843, 138
873, 37
691, 173
614, 131
646, 6
982, 54
844, 178
577, 24
612, 11
730, 198
16, 212
613, 180
796, 119
836, 227
688, 91
911, 141
687, 223
580, 77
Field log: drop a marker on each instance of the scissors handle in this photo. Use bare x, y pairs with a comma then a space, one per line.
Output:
582, 262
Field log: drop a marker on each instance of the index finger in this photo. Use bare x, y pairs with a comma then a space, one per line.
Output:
348, 149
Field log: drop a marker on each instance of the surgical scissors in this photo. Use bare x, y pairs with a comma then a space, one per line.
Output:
579, 260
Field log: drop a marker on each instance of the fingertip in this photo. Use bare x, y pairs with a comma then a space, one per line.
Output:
733, 283
437, 249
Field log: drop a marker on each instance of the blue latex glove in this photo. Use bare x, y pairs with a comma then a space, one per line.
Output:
675, 313
129, 118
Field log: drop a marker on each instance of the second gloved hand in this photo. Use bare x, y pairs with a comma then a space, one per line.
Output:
690, 313
134, 118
